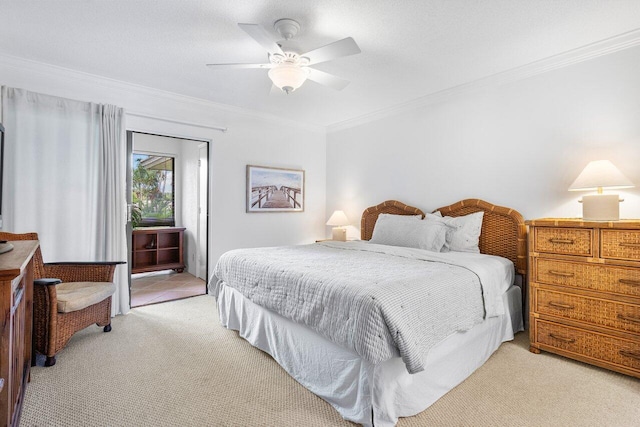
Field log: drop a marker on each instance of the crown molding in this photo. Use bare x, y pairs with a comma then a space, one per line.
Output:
565, 59
48, 71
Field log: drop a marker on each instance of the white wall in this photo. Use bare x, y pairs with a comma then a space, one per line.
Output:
519, 145
251, 139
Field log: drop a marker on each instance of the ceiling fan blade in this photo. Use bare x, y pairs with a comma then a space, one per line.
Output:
236, 66
344, 47
264, 39
327, 79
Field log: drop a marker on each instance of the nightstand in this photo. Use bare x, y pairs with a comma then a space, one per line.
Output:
584, 291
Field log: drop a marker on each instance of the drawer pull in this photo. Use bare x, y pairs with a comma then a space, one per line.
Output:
560, 305
630, 245
563, 339
566, 241
629, 282
631, 354
562, 273
629, 318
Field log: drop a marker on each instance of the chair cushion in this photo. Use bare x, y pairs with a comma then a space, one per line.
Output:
74, 296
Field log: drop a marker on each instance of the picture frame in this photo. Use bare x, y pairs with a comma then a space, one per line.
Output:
271, 189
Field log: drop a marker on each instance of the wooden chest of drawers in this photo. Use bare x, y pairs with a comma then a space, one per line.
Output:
584, 291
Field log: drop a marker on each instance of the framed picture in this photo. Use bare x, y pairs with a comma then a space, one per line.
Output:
274, 189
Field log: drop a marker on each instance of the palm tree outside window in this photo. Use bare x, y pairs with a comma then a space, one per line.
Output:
153, 190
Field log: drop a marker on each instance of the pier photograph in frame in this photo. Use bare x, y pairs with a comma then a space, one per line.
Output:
274, 189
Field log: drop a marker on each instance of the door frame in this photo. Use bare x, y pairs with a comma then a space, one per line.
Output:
207, 201
129, 196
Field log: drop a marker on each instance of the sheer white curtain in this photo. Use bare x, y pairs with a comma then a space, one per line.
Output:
65, 179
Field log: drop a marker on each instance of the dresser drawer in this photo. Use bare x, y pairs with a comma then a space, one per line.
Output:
605, 278
611, 314
567, 241
620, 244
618, 351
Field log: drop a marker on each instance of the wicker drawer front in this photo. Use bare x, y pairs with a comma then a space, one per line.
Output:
569, 241
602, 347
621, 244
619, 280
624, 317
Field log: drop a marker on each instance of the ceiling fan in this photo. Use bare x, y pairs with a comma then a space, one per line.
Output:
288, 70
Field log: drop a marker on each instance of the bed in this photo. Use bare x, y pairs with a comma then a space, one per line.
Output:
374, 374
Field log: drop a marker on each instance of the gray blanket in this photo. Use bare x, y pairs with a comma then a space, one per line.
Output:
376, 300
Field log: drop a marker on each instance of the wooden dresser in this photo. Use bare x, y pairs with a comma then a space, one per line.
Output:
16, 306
584, 287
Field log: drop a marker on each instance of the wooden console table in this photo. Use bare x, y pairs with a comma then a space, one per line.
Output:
157, 248
16, 308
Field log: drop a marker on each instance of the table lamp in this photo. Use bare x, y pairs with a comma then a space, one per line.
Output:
599, 175
338, 219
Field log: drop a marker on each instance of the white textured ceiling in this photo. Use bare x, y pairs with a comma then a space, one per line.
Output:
410, 48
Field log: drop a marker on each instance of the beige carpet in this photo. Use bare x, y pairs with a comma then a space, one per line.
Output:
172, 364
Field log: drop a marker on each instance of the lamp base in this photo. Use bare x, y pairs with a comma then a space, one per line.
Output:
601, 207
339, 233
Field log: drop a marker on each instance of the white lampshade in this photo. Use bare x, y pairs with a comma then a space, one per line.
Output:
597, 175
338, 219
600, 174
288, 77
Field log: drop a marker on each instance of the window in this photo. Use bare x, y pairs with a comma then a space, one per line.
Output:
153, 189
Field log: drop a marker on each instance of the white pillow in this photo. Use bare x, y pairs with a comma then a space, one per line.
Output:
392, 217
428, 235
464, 232
437, 217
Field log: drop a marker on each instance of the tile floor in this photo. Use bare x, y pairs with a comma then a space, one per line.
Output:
161, 286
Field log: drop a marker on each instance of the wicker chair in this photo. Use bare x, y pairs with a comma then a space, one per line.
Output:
67, 297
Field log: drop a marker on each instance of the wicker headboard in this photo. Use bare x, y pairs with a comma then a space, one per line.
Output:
503, 230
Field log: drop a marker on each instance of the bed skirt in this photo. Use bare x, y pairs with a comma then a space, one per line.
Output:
360, 391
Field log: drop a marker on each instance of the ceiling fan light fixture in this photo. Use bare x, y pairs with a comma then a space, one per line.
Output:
288, 77
290, 69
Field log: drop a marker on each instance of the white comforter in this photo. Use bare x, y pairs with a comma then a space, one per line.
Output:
379, 301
